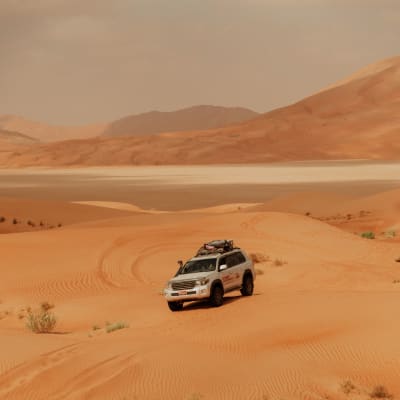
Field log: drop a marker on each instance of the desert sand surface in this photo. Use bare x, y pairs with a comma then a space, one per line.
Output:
193, 187
323, 312
355, 119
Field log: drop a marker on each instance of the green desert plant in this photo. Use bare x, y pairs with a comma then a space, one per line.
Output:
380, 392
41, 320
116, 326
368, 235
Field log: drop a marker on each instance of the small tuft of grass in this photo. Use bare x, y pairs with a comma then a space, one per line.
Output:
259, 271
279, 262
2, 219
96, 327
15, 221
116, 326
368, 235
258, 258
347, 387
380, 392
389, 234
396, 280
41, 320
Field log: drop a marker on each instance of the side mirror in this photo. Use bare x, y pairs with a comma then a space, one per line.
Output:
180, 263
223, 267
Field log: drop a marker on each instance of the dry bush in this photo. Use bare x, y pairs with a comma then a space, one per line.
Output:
389, 234
2, 219
259, 271
258, 258
41, 320
15, 221
380, 392
279, 263
347, 387
116, 326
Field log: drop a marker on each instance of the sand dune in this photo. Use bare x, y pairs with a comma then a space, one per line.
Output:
321, 318
355, 119
188, 119
379, 213
48, 133
15, 137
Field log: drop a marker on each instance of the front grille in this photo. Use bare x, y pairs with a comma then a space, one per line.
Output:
183, 285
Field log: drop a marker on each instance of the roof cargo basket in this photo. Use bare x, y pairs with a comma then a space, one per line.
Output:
215, 246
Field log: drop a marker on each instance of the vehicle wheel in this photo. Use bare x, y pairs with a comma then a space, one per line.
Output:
248, 285
175, 305
217, 296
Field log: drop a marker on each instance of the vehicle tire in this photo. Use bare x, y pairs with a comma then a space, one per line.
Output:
248, 285
217, 296
175, 305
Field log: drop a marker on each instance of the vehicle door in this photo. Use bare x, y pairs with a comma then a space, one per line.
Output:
226, 274
237, 262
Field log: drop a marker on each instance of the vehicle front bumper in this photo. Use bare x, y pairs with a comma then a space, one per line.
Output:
197, 293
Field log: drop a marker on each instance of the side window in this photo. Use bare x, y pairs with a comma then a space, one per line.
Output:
233, 260
241, 258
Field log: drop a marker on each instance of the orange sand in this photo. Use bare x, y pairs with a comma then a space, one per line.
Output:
327, 315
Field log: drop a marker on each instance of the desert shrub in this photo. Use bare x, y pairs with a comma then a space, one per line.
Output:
116, 326
96, 327
59, 225
2, 219
30, 223
41, 223
258, 258
368, 235
259, 271
41, 320
347, 387
390, 234
278, 262
15, 221
380, 392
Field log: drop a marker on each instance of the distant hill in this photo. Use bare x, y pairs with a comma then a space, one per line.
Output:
48, 133
356, 118
11, 137
188, 119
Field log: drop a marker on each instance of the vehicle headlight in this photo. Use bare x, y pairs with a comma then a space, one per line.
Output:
168, 285
202, 281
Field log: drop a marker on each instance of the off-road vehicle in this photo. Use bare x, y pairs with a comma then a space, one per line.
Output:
217, 268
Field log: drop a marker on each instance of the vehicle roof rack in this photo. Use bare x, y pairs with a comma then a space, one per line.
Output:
215, 247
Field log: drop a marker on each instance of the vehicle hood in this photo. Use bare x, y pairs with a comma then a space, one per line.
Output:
195, 275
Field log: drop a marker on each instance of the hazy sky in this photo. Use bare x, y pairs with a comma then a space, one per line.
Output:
83, 61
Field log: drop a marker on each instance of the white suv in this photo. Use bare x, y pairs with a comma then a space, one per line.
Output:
210, 276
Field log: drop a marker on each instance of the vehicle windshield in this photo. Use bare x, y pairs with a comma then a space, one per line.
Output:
206, 265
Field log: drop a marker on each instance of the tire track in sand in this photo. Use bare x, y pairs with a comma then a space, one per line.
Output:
24, 373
